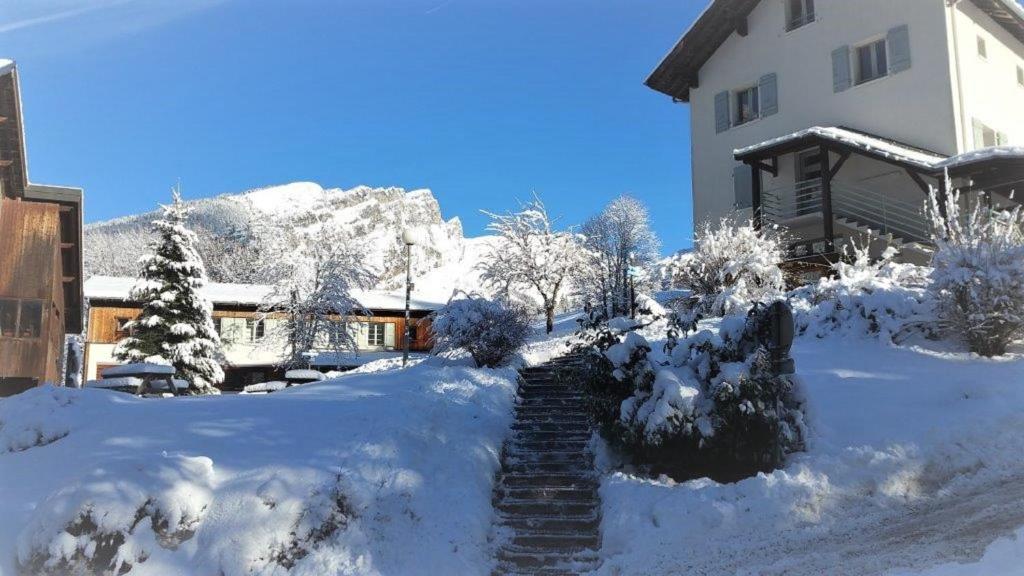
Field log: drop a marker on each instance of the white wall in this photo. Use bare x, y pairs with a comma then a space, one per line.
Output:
988, 86
914, 106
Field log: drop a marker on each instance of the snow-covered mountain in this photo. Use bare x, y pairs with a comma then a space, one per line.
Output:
233, 231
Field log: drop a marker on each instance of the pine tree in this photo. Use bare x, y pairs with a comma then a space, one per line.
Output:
176, 323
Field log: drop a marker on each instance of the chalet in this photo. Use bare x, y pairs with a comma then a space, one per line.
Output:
40, 258
253, 345
833, 118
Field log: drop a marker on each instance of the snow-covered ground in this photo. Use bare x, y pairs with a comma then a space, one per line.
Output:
385, 472
914, 461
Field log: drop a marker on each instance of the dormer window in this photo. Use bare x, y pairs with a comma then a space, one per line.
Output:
871, 61
799, 13
748, 105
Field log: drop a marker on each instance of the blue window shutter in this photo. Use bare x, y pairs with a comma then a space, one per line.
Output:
898, 41
768, 88
721, 112
841, 78
742, 181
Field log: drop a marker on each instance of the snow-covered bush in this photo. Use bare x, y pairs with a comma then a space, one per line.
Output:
718, 409
866, 297
978, 277
489, 330
732, 266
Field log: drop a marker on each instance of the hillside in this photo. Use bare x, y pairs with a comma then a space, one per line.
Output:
241, 234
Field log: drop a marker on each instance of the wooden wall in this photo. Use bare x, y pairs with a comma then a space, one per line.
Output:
30, 269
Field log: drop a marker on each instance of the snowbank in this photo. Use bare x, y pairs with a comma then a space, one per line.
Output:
913, 461
373, 473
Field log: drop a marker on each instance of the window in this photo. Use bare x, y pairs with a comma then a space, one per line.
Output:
375, 334
1020, 76
255, 329
799, 13
985, 136
872, 61
121, 330
982, 48
21, 318
747, 105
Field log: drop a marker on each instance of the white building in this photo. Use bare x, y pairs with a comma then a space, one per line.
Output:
832, 117
253, 346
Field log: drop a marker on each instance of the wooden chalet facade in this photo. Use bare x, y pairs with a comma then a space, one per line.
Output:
253, 344
40, 260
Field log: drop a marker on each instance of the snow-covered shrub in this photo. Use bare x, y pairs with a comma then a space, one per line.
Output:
732, 266
865, 296
489, 330
978, 273
718, 410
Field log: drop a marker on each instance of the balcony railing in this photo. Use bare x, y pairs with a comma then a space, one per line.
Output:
870, 208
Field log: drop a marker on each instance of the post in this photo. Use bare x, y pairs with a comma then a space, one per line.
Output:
408, 296
755, 195
826, 200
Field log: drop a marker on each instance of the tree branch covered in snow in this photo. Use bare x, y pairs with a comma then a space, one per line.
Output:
978, 277
532, 255
176, 323
315, 294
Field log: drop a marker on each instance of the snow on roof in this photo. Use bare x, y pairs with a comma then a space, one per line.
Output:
118, 288
866, 142
6, 66
982, 155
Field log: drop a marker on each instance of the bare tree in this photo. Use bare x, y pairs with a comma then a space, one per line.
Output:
532, 255
316, 293
618, 240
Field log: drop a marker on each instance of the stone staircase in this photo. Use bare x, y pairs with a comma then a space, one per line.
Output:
548, 508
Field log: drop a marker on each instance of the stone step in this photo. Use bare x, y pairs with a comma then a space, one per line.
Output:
553, 525
548, 493
550, 395
535, 508
526, 558
518, 446
524, 409
558, 543
540, 435
575, 402
550, 479
567, 466
551, 425
578, 459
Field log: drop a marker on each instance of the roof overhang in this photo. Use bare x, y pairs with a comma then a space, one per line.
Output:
679, 70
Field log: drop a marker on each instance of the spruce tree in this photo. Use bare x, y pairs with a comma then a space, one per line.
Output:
176, 323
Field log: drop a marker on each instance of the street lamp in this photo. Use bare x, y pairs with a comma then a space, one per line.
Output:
408, 238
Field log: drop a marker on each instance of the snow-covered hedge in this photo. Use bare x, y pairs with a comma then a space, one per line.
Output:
978, 277
732, 266
865, 297
491, 331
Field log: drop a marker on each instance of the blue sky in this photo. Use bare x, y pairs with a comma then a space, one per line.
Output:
483, 101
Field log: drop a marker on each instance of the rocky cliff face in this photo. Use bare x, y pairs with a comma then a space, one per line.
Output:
234, 230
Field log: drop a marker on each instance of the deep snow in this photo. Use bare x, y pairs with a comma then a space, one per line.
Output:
411, 455
913, 461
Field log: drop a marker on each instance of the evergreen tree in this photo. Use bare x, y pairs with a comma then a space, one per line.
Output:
176, 323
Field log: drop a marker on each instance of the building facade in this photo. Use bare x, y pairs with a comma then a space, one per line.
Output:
833, 118
40, 259
253, 342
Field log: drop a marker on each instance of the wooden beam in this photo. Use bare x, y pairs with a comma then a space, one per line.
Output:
828, 227
919, 181
755, 194
771, 168
843, 157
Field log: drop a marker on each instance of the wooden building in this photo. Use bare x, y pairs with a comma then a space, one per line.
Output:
40, 259
253, 344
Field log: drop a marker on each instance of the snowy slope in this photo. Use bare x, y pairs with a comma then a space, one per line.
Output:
234, 223
371, 473
913, 461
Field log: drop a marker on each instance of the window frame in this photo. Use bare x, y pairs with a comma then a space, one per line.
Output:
808, 14
255, 329
753, 93
120, 331
878, 49
19, 318
986, 131
371, 336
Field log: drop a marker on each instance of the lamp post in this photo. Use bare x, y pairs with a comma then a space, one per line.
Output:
408, 238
